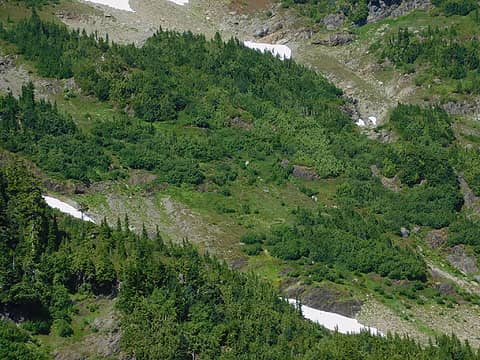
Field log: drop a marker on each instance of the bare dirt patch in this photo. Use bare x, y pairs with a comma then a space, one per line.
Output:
249, 6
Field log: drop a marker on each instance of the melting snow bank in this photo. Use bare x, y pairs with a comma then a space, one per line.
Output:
372, 121
116, 4
333, 321
277, 50
65, 208
179, 2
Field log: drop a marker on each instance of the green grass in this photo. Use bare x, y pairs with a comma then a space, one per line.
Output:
267, 267
85, 110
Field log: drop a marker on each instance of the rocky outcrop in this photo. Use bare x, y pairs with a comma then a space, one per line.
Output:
404, 232
333, 21
304, 172
462, 107
336, 39
469, 197
436, 238
383, 135
461, 261
300, 171
381, 9
264, 31
238, 122
6, 62
322, 298
393, 184
446, 288
102, 342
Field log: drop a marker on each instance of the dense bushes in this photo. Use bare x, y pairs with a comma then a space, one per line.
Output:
465, 231
341, 237
467, 162
39, 131
456, 7
356, 236
425, 126
449, 55
18, 344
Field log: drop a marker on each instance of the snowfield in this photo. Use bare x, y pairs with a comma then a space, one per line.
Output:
116, 4
125, 6
283, 51
179, 2
333, 321
65, 208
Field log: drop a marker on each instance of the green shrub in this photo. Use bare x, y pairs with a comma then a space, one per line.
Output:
62, 328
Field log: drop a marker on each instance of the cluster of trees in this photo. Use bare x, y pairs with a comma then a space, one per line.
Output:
52, 140
16, 344
444, 50
456, 7
465, 231
343, 238
41, 262
175, 303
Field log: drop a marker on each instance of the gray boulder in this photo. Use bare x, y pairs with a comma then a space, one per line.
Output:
333, 21
264, 31
461, 261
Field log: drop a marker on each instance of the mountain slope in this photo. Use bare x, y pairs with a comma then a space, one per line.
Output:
293, 187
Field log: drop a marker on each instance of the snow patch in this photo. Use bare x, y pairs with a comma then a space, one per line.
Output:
360, 122
333, 321
116, 4
179, 2
66, 208
283, 51
371, 121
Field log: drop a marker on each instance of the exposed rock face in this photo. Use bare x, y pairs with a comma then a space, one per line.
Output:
404, 232
393, 184
436, 238
323, 298
304, 172
469, 198
446, 288
350, 109
333, 21
264, 31
6, 62
384, 135
381, 9
336, 39
140, 177
238, 122
461, 261
462, 107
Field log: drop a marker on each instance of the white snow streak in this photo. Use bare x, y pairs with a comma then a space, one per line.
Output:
282, 51
333, 321
65, 208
